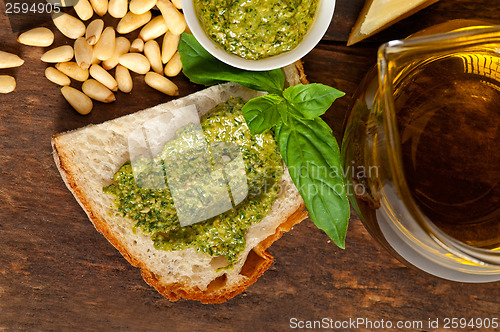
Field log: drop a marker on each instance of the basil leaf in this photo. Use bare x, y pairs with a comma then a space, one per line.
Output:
202, 68
312, 156
284, 113
311, 100
264, 112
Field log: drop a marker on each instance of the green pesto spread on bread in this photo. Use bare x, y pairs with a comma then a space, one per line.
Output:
154, 212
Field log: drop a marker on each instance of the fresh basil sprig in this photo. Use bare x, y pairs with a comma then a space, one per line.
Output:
306, 143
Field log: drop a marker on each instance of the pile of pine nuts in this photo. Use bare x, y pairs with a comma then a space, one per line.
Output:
8, 60
98, 49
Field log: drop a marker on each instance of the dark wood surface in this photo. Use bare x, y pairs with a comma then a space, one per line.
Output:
58, 273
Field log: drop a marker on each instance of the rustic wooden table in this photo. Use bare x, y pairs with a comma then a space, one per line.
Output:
58, 273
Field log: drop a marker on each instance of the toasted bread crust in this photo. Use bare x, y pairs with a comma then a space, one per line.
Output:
295, 74
258, 261
63, 164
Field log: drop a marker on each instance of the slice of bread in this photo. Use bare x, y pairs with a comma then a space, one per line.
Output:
88, 158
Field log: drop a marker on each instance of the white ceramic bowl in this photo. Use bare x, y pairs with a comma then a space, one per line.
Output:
322, 19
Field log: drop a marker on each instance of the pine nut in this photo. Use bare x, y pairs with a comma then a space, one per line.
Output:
175, 21
94, 31
174, 66
97, 91
169, 46
83, 53
123, 79
41, 37
153, 53
122, 46
59, 54
69, 25
77, 99
7, 84
55, 76
137, 46
9, 60
103, 77
100, 6
73, 70
117, 8
94, 59
161, 83
105, 47
131, 22
135, 62
62, 3
141, 6
177, 4
84, 9
154, 29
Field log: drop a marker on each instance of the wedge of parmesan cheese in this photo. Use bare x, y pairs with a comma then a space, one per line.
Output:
377, 15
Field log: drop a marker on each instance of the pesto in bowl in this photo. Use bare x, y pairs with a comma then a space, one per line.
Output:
268, 49
256, 29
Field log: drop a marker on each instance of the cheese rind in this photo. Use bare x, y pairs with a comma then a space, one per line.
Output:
377, 15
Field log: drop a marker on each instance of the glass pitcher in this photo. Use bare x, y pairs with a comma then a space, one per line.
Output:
421, 150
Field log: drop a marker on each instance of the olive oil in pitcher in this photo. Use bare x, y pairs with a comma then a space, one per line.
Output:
448, 117
427, 119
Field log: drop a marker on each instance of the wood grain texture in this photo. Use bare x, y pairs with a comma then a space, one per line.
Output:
346, 13
58, 273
